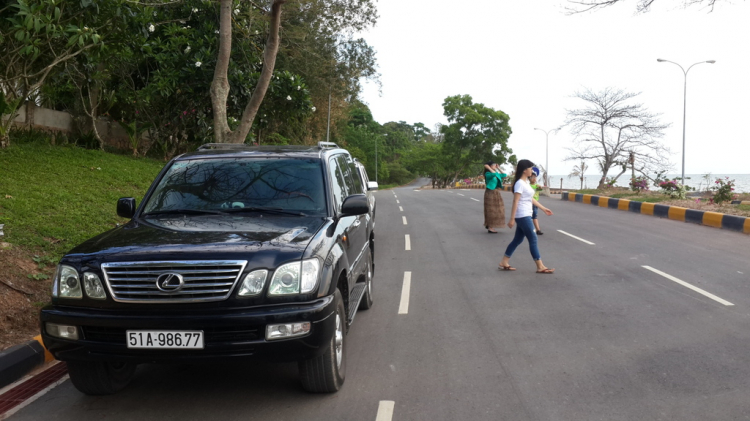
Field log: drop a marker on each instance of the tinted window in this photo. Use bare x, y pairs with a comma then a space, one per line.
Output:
215, 184
338, 185
345, 163
356, 177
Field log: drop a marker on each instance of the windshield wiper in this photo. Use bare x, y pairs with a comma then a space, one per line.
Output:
278, 211
184, 212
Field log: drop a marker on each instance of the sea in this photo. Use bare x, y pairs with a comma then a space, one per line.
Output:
697, 181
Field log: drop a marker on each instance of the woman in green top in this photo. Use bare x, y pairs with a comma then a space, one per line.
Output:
494, 208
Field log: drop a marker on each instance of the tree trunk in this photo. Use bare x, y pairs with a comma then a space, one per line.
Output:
220, 84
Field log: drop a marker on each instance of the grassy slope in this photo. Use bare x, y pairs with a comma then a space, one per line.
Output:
53, 198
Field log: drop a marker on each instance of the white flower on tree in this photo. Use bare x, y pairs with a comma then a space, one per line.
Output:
195, 10
299, 87
288, 98
313, 108
151, 27
198, 64
187, 49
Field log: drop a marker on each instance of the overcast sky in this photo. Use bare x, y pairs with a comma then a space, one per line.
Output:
527, 58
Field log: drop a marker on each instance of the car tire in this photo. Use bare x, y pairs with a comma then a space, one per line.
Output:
100, 378
366, 302
326, 373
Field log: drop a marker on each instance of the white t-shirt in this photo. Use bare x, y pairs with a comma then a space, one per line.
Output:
524, 203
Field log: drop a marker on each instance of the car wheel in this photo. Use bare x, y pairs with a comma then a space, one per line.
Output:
366, 301
326, 373
100, 378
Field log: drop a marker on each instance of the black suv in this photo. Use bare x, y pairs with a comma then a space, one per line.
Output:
235, 252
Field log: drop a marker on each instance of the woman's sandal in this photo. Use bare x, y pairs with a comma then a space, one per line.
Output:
501, 267
546, 270
492, 232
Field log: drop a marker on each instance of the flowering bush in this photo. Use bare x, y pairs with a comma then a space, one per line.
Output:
723, 189
610, 182
639, 184
673, 189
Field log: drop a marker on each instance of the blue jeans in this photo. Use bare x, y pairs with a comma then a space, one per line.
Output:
524, 228
534, 211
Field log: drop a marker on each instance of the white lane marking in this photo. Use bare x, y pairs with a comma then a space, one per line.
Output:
459, 194
30, 400
385, 411
687, 285
577, 238
476, 200
398, 201
400, 208
464, 189
404, 220
408, 242
403, 308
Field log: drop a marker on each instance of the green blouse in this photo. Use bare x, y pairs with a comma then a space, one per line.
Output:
493, 179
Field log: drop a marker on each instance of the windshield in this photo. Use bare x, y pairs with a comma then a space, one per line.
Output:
234, 184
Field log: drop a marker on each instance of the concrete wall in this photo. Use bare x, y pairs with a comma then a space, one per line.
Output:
45, 119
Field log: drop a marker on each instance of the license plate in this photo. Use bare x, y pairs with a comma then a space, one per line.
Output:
165, 339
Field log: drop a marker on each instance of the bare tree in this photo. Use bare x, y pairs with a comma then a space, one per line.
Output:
642, 6
608, 128
220, 84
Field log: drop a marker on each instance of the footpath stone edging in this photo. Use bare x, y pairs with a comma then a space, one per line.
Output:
19, 360
694, 216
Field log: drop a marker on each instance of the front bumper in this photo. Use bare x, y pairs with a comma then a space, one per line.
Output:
238, 333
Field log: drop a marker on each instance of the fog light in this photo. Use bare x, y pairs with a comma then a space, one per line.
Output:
287, 330
62, 331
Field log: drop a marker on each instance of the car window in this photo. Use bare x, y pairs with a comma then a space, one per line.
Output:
215, 184
338, 185
359, 186
346, 164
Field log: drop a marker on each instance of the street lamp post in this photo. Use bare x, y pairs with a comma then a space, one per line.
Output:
546, 163
684, 105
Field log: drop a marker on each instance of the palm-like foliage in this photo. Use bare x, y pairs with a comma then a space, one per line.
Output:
579, 171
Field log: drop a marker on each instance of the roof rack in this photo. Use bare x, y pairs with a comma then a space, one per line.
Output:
209, 146
325, 145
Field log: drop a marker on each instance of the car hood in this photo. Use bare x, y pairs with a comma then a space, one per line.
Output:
203, 237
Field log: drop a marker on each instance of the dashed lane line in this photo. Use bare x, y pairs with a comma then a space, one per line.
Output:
577, 238
400, 209
385, 411
687, 285
404, 218
403, 307
476, 200
407, 241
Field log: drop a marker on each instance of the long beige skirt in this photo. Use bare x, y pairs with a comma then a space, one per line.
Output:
494, 209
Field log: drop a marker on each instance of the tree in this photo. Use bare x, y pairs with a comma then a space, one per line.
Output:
642, 6
36, 37
474, 133
608, 128
579, 171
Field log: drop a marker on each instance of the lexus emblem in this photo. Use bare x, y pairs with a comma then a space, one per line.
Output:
170, 282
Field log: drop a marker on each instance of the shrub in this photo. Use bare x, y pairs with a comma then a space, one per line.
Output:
723, 190
639, 184
673, 189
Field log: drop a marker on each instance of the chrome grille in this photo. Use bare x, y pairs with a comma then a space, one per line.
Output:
204, 280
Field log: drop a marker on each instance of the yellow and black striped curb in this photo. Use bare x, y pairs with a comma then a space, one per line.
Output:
19, 360
712, 219
741, 202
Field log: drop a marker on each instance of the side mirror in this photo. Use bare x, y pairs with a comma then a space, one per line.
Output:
355, 204
372, 185
126, 207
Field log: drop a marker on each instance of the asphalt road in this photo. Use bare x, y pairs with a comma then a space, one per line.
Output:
603, 338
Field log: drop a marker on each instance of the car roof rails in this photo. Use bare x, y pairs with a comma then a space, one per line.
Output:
327, 145
210, 146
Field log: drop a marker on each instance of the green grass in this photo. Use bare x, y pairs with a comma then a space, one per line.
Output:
54, 197
743, 207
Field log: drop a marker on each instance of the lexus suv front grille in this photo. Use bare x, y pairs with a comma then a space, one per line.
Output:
172, 281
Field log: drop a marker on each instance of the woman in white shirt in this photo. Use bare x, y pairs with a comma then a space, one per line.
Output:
523, 200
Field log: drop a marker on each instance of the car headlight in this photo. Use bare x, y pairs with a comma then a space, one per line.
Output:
67, 283
93, 286
295, 278
253, 283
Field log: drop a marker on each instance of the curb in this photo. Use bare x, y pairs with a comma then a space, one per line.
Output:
19, 360
694, 216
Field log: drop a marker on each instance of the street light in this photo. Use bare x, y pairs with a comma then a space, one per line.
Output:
546, 163
684, 106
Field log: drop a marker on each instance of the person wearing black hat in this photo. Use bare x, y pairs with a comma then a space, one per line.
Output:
520, 214
494, 208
